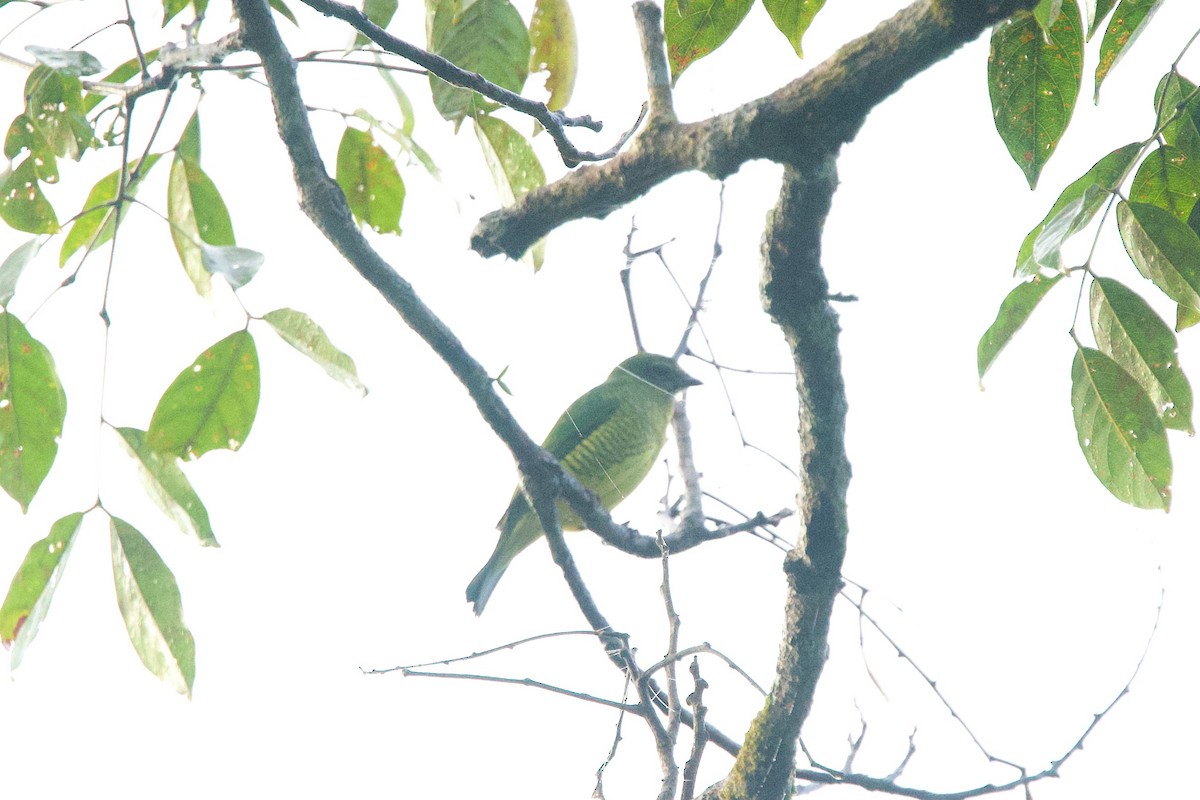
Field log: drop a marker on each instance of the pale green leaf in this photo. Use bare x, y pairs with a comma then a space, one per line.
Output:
32, 409
301, 332
32, 587
168, 487
555, 49
699, 28
1014, 311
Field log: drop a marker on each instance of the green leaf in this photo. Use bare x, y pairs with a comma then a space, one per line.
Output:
14, 265
1119, 431
407, 144
408, 119
284, 11
70, 62
152, 608
370, 181
301, 332
1126, 25
1047, 12
1165, 250
32, 588
1177, 106
700, 28
792, 18
198, 215
97, 223
1170, 179
121, 74
1015, 309
22, 204
54, 109
168, 487
211, 404
189, 141
171, 8
378, 11
1185, 317
1033, 81
514, 166
1097, 11
487, 37
237, 265
1129, 332
32, 408
555, 49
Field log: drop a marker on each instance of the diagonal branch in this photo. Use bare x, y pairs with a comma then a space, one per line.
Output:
808, 118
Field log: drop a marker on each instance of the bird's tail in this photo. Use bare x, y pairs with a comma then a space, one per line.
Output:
480, 588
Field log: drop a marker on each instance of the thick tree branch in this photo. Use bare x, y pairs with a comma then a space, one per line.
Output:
808, 118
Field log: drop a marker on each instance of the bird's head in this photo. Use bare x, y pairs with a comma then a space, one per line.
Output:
656, 370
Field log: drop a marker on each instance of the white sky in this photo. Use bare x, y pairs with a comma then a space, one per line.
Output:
350, 527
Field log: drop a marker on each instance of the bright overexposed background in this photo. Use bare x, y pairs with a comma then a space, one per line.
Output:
349, 528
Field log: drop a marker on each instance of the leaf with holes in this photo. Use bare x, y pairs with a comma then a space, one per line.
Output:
369, 179
514, 166
1129, 332
1120, 433
211, 404
32, 588
555, 49
152, 608
1033, 81
1123, 29
22, 204
168, 487
32, 409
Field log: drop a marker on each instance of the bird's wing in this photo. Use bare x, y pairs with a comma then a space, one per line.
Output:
580, 420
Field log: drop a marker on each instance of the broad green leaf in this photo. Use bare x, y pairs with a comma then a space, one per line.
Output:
700, 28
1185, 317
70, 62
1129, 332
32, 408
1033, 80
378, 11
1120, 433
152, 608
1097, 11
1177, 105
211, 404
792, 18
370, 181
1126, 24
22, 204
14, 265
1073, 217
95, 225
198, 215
487, 37
514, 166
1170, 179
1046, 12
32, 588
54, 109
283, 10
189, 142
555, 49
168, 487
1015, 309
237, 265
301, 332
1165, 250
121, 74
171, 8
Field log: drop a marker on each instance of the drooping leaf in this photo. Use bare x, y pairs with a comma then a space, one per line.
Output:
378, 11
54, 111
1015, 309
1165, 250
1170, 179
1177, 106
514, 166
198, 215
1185, 317
14, 265
792, 18
32, 409
699, 28
22, 204
1033, 81
283, 10
370, 181
1098, 10
408, 145
237, 265
188, 146
70, 62
210, 405
171, 8
1120, 433
487, 37
301, 332
168, 487
1125, 26
555, 50
152, 608
1129, 332
408, 118
121, 74
98, 221
32, 588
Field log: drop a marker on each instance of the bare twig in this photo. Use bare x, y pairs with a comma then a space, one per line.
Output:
691, 767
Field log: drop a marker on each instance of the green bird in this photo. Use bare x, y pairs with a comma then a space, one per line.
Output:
608, 439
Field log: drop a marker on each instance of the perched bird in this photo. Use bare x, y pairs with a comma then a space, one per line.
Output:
608, 439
